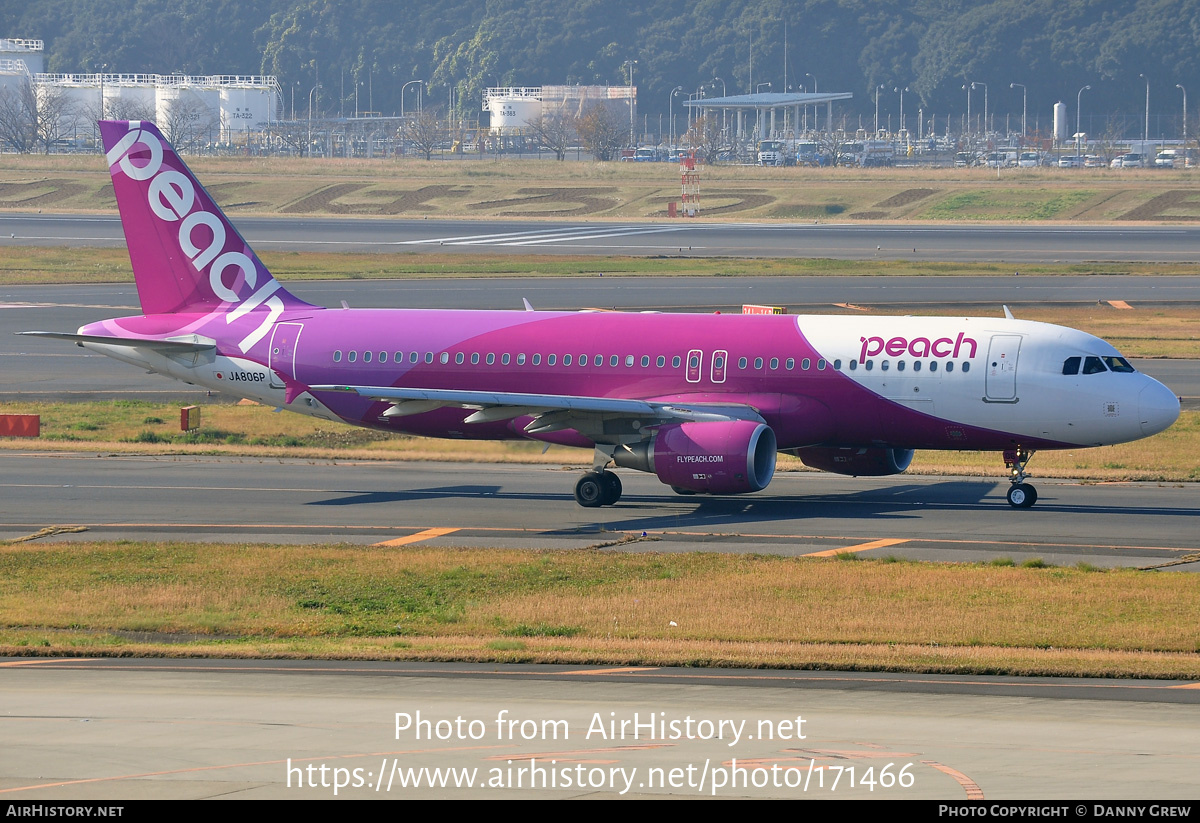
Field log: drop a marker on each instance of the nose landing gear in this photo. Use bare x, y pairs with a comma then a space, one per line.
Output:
1021, 495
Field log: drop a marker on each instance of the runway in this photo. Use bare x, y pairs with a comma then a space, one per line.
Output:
860, 241
514, 506
240, 729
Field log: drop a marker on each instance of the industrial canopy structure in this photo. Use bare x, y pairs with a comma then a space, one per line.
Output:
765, 107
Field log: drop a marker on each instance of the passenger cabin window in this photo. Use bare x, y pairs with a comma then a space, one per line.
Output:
352, 356
675, 362
337, 356
1093, 365
366, 357
459, 358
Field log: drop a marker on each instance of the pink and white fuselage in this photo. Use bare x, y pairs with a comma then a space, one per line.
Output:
703, 401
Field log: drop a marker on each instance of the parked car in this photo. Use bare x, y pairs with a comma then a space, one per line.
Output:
1070, 161
1166, 159
1029, 160
1133, 160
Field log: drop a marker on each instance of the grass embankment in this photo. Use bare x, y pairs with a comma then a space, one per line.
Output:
505, 187
595, 606
139, 427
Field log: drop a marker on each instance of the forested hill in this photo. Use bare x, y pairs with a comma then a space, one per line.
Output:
933, 47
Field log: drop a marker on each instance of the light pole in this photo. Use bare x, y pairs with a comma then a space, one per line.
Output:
629, 64
901, 105
1146, 132
1182, 89
310, 94
758, 88
1078, 120
402, 88
985, 106
1023, 109
968, 87
671, 109
878, 89
724, 93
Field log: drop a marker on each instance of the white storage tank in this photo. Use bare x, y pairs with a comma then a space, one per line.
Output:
130, 96
188, 106
1062, 129
248, 104
30, 52
79, 98
512, 109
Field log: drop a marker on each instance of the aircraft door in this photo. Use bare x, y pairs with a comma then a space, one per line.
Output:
694, 358
720, 359
284, 338
1002, 368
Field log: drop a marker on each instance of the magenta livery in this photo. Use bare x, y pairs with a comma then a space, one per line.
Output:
704, 402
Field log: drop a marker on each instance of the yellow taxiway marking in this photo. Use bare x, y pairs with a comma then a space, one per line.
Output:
1186, 686
861, 547
416, 538
1118, 304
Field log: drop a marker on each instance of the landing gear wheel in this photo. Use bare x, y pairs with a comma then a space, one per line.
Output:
612, 488
590, 491
1021, 495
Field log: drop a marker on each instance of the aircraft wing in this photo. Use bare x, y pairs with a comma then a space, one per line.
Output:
598, 418
192, 343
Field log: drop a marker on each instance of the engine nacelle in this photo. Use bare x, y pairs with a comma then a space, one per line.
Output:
873, 462
731, 457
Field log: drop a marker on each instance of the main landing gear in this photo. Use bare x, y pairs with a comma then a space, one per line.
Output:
598, 488
1021, 495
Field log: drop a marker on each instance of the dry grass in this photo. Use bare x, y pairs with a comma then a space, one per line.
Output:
531, 188
594, 606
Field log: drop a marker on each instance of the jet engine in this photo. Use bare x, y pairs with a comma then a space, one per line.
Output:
716, 457
872, 462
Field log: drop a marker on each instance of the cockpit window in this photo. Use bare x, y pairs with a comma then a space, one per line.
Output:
1071, 365
1093, 365
1118, 364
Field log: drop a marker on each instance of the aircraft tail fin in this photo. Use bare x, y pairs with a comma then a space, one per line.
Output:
186, 255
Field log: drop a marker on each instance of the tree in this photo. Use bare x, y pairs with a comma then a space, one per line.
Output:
31, 115
831, 144
554, 132
425, 130
704, 135
603, 131
187, 121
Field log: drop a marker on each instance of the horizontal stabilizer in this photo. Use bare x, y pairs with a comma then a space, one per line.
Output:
165, 346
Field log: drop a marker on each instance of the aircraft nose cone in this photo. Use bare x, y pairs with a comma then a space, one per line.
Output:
1158, 407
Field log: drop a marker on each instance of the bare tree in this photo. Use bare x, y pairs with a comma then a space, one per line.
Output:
831, 144
126, 109
603, 132
554, 132
17, 120
425, 131
31, 115
186, 121
704, 135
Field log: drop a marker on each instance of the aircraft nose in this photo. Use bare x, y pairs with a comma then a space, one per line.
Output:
1158, 407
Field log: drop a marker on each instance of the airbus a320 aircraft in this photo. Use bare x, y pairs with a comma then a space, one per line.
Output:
704, 402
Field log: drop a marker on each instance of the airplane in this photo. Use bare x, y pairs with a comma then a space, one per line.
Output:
702, 401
